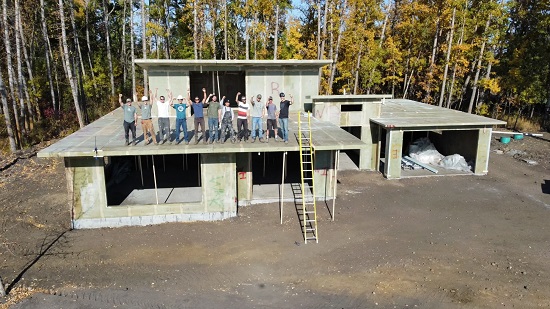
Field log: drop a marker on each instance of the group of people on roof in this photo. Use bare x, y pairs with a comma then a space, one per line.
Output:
220, 118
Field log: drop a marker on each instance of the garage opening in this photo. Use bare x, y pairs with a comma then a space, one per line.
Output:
447, 143
130, 180
221, 83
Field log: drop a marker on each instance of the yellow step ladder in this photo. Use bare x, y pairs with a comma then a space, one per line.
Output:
307, 154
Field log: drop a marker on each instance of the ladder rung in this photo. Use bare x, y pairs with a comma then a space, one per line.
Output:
309, 230
310, 220
312, 238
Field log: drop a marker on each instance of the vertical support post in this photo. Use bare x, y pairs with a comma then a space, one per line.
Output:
163, 163
140, 170
199, 167
155, 179
336, 166
282, 186
482, 154
394, 147
265, 154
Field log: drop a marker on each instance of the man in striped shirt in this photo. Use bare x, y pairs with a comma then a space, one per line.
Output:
242, 117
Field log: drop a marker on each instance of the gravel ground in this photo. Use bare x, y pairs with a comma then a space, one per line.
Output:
430, 242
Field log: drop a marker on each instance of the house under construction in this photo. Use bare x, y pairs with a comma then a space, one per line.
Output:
112, 185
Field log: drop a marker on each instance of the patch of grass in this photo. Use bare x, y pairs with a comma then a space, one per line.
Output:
522, 124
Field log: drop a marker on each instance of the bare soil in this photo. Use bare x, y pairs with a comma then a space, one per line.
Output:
432, 242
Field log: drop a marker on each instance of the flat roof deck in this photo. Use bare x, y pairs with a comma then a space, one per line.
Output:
107, 134
228, 65
401, 113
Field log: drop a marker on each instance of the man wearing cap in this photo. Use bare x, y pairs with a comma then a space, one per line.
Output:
214, 114
257, 111
243, 112
163, 114
227, 121
130, 119
283, 115
146, 122
271, 119
198, 110
181, 120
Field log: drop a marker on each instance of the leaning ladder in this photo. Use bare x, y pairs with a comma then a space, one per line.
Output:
309, 208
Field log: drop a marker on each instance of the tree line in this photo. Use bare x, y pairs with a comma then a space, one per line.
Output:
63, 61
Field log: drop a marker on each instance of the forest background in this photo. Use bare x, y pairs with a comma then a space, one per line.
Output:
64, 62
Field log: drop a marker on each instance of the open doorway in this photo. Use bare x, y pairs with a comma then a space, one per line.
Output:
267, 173
350, 157
130, 180
221, 83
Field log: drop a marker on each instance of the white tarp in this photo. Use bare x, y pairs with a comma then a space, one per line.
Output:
425, 152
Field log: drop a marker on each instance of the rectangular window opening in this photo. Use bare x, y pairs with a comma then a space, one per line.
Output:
130, 180
351, 107
221, 83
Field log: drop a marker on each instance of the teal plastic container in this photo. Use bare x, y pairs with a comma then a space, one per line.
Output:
505, 139
518, 136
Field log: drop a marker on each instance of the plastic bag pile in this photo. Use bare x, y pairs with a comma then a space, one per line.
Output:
425, 152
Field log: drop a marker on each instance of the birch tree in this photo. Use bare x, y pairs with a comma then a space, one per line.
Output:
144, 46
449, 47
132, 51
478, 66
68, 68
21, 83
46, 39
9, 66
106, 14
11, 136
86, 13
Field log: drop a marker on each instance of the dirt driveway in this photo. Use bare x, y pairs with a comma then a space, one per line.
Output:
438, 242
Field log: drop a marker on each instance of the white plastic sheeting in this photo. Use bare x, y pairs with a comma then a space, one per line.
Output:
425, 152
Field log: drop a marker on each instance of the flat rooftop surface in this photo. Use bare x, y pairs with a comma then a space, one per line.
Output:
228, 65
107, 135
401, 113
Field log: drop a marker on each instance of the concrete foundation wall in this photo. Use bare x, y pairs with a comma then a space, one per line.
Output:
89, 201
218, 173
394, 149
244, 178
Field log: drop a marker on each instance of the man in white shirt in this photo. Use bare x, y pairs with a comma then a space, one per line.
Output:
163, 114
